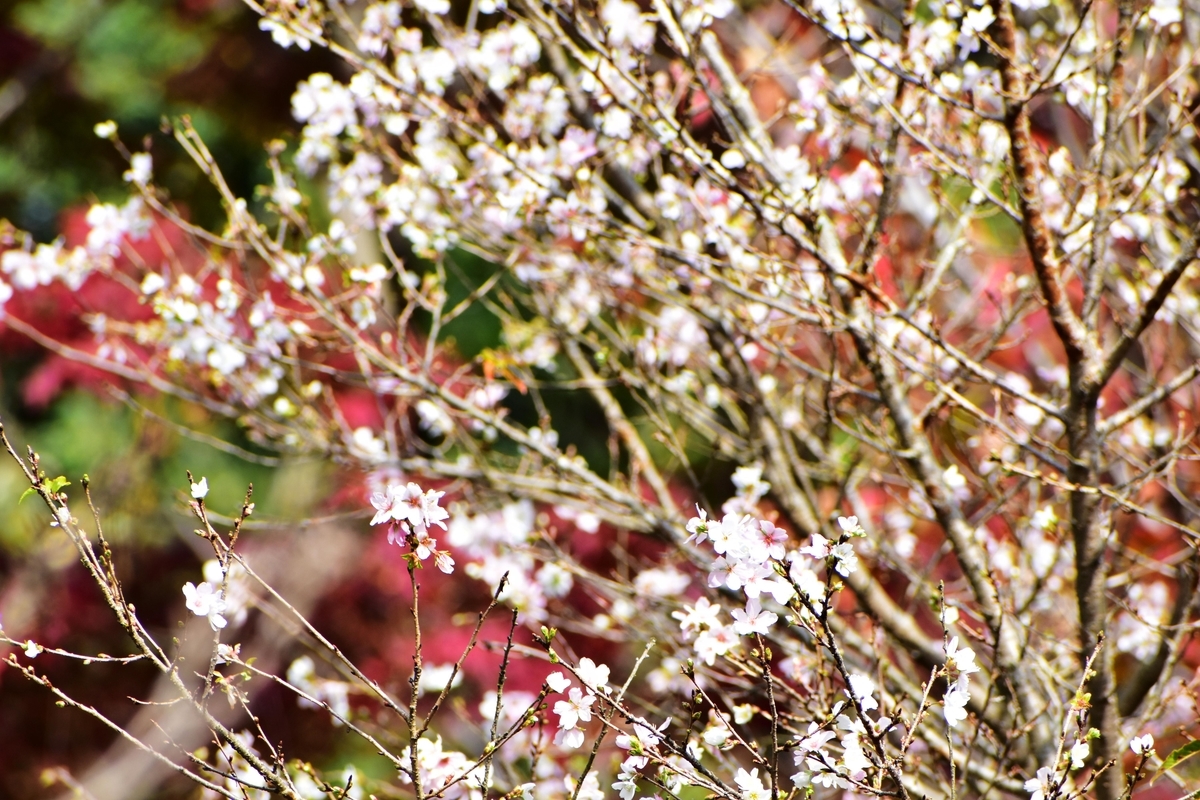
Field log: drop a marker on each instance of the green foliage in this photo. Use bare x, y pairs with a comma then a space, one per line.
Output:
73, 63
52, 485
81, 434
124, 52
477, 328
138, 466
1180, 755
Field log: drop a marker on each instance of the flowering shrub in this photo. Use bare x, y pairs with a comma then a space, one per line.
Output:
896, 298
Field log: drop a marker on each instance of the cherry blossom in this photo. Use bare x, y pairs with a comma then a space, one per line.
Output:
200, 489
819, 547
140, 167
845, 559
954, 704
575, 709
753, 620
1043, 787
409, 505
1142, 745
206, 600
557, 682
570, 738
814, 740
1079, 753
626, 783
643, 738
592, 675
863, 689
704, 614
714, 642
961, 659
751, 785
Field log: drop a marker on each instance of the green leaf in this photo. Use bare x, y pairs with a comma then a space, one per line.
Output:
1179, 756
52, 485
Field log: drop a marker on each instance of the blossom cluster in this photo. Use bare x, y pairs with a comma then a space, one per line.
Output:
410, 512
206, 600
753, 559
960, 661
498, 546
577, 708
792, 266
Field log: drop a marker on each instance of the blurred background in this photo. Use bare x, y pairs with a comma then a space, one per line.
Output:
64, 66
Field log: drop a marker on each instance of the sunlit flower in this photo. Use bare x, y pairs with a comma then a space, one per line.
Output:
962, 659
200, 489
206, 600
1079, 753
751, 785
1042, 786
753, 620
955, 705
140, 166
594, 676
575, 709
864, 690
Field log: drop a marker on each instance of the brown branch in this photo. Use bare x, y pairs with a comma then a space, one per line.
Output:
1042, 252
1135, 409
915, 451
1134, 691
1120, 348
619, 422
865, 259
1106, 162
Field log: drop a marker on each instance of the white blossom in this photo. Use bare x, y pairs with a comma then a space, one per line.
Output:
863, 689
282, 35
1079, 753
626, 25
961, 658
593, 675
955, 704
751, 785
433, 419
200, 489
626, 783
140, 167
753, 620
733, 159
206, 600
438, 7
1041, 787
